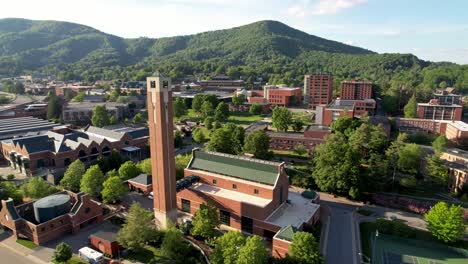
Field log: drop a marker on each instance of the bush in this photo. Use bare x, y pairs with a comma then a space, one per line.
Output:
10, 177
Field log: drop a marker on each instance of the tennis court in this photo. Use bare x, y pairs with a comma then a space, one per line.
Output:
397, 250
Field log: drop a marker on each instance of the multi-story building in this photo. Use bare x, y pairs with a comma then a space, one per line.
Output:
50, 217
326, 115
280, 95
445, 97
58, 148
252, 195
437, 111
318, 90
23, 126
457, 162
455, 131
355, 90
81, 113
222, 83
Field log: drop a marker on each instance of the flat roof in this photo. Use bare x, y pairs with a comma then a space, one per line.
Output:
460, 125
231, 195
317, 128
19, 126
297, 211
439, 105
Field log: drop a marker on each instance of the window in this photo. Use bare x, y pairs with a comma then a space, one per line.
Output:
152, 84
185, 206
225, 217
256, 191
215, 181
247, 224
234, 186
87, 210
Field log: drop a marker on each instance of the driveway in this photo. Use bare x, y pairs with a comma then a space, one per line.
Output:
134, 197
76, 242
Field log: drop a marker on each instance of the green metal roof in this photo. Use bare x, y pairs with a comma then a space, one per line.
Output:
265, 172
286, 233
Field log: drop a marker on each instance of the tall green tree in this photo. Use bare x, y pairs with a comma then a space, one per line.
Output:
113, 190
72, 177
411, 108
437, 170
63, 252
205, 221
255, 109
100, 117
346, 125
305, 249
145, 166
36, 188
445, 222
54, 107
207, 109
281, 118
180, 107
197, 103
227, 247
368, 139
209, 122
173, 246
198, 135
258, 144
221, 141
128, 170
79, 97
138, 229
138, 118
238, 100
439, 144
92, 181
409, 158
297, 125
222, 112
253, 251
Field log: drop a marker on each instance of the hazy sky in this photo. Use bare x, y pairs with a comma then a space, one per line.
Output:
434, 30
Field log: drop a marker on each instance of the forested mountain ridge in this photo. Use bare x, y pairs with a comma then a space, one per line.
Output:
267, 49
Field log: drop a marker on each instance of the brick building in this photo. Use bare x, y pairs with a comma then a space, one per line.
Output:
106, 241
60, 147
456, 161
446, 97
455, 131
355, 90
326, 115
437, 111
142, 183
23, 126
318, 90
222, 83
71, 213
279, 95
81, 113
252, 195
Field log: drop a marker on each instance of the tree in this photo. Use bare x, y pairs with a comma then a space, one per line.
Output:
281, 118
63, 252
216, 125
300, 149
72, 177
92, 181
209, 122
411, 107
409, 158
178, 139
253, 251
207, 109
258, 144
238, 99
145, 166
100, 117
113, 120
368, 139
113, 190
9, 190
138, 118
128, 170
197, 103
205, 221
305, 249
79, 97
181, 162
54, 107
139, 228
220, 141
198, 135
336, 166
446, 223
36, 188
439, 144
180, 107
173, 245
255, 109
437, 170
222, 112
345, 125
227, 248
297, 125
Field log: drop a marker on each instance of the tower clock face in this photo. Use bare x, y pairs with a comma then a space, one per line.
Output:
153, 84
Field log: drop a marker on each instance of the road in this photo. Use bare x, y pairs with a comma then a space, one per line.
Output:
341, 243
8, 256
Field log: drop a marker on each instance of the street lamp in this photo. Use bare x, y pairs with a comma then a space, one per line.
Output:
364, 256
375, 241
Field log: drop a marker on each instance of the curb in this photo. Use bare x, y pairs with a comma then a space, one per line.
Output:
28, 256
324, 234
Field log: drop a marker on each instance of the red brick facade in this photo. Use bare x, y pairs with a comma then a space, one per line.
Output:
355, 90
105, 246
318, 90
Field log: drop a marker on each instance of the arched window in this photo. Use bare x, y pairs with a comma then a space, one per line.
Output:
82, 156
106, 151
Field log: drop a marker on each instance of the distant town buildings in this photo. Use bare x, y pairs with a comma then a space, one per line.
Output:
81, 113
318, 90
222, 83
355, 90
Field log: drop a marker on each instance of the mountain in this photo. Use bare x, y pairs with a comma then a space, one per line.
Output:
29, 45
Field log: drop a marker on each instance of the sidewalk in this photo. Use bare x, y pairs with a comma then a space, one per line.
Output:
10, 244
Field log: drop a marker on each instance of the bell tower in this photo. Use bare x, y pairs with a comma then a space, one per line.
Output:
161, 134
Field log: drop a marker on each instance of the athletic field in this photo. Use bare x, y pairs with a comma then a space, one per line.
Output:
397, 250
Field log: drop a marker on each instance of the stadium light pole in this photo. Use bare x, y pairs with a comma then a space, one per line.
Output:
375, 241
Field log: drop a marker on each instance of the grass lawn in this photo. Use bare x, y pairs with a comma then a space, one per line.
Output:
146, 255
289, 154
26, 243
305, 117
244, 119
76, 260
392, 249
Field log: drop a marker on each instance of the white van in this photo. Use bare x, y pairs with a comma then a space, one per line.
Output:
90, 255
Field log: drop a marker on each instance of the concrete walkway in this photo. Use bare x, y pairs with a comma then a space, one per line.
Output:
22, 252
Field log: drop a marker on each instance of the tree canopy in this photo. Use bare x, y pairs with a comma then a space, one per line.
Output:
113, 190
258, 144
138, 229
72, 177
445, 222
92, 181
305, 249
100, 117
205, 221
281, 118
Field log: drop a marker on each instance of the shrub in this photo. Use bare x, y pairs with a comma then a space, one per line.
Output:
10, 177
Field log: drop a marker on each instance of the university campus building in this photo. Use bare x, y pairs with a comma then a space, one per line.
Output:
252, 195
279, 95
355, 90
318, 90
50, 217
326, 115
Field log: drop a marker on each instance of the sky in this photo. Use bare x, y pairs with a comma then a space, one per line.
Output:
435, 30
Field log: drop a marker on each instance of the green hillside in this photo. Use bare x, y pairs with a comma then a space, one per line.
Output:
267, 49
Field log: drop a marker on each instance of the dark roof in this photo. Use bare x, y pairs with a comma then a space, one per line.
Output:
139, 132
255, 170
109, 236
12, 127
143, 179
286, 233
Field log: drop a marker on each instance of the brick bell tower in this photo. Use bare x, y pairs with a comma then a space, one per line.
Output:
161, 129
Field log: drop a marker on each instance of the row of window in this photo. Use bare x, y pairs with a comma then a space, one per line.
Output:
234, 186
